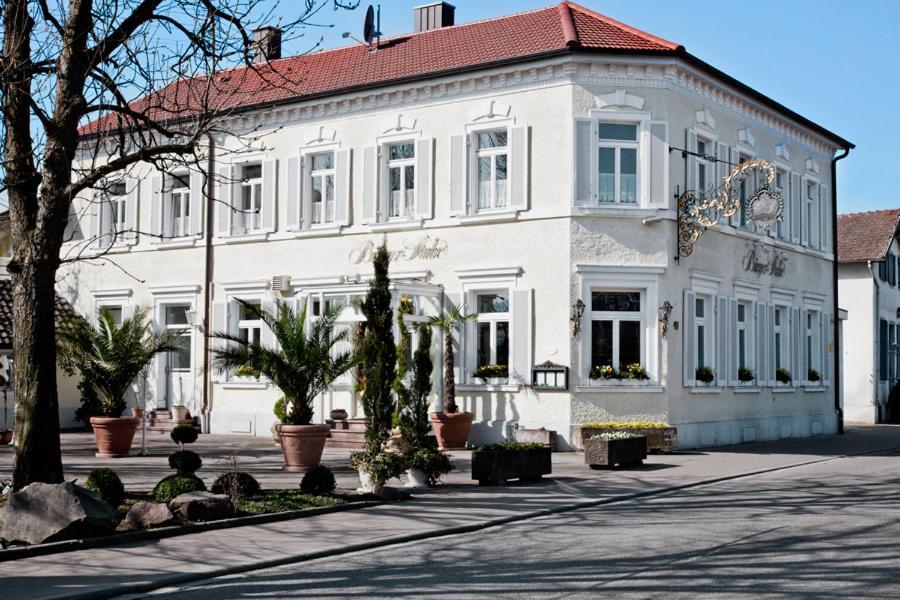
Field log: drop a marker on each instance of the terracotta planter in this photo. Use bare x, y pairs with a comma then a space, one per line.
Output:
5, 436
302, 446
114, 435
451, 429
137, 412
338, 414
179, 413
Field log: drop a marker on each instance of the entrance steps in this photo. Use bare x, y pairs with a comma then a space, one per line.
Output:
346, 433
161, 421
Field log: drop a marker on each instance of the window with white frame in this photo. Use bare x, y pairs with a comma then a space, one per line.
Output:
811, 212
117, 195
744, 337
812, 341
251, 197
401, 179
492, 329
706, 180
744, 192
492, 156
617, 325
617, 148
782, 357
116, 311
249, 325
177, 208
783, 226
892, 352
321, 185
703, 320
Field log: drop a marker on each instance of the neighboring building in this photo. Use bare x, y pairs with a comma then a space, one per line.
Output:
525, 167
869, 288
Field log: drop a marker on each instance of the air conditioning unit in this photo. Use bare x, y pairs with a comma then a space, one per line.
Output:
281, 283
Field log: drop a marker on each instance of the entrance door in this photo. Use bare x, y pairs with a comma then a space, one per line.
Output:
179, 375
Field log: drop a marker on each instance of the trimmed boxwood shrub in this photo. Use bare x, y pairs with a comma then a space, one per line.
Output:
105, 484
185, 461
236, 484
318, 481
173, 486
184, 434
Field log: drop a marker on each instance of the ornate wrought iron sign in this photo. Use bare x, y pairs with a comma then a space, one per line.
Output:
696, 213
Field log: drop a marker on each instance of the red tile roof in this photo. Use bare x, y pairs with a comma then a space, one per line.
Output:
866, 236
520, 36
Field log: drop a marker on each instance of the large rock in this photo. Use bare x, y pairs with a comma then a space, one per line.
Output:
202, 506
46, 512
145, 515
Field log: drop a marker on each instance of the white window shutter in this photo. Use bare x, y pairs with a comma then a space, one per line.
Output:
795, 346
804, 215
520, 371
760, 337
370, 185
458, 185
802, 371
342, 187
293, 193
459, 335
132, 206
824, 220
825, 336
735, 219
795, 207
518, 168
306, 192
266, 336
223, 205
269, 204
424, 178
770, 337
690, 138
219, 325
198, 193
723, 166
156, 202
584, 163
732, 342
722, 337
127, 312
659, 163
107, 227
690, 369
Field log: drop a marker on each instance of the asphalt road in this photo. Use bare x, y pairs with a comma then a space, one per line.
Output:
829, 530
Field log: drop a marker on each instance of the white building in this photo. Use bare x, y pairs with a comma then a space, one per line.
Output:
520, 166
869, 278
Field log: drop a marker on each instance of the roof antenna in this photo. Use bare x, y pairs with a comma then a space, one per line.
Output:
371, 28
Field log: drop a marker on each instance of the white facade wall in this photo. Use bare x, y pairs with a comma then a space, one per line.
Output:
547, 255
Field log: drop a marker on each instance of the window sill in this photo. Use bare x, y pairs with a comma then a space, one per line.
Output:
397, 225
318, 231
245, 385
186, 242
746, 389
783, 389
705, 389
493, 216
620, 389
477, 387
244, 238
808, 387
622, 210
119, 248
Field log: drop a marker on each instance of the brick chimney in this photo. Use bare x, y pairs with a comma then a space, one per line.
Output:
433, 16
266, 44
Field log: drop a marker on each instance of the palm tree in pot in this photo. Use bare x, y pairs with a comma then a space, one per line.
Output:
451, 427
303, 365
112, 355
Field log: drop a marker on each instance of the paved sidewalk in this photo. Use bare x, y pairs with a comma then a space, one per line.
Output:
106, 572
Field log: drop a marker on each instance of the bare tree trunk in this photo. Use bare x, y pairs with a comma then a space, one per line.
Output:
449, 378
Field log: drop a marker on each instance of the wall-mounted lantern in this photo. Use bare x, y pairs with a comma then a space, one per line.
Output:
550, 376
663, 314
577, 312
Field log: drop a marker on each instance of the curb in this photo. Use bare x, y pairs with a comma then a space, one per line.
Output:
122, 590
118, 539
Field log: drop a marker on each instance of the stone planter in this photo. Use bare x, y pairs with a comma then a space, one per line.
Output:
367, 485
451, 429
302, 446
608, 453
416, 477
5, 436
494, 467
658, 438
114, 435
179, 413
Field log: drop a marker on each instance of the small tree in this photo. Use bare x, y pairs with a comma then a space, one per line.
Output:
449, 321
112, 355
414, 421
403, 351
302, 366
379, 356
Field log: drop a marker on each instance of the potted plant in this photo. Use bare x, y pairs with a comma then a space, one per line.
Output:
603, 372
302, 366
659, 435
634, 372
745, 375
705, 375
783, 376
492, 374
813, 376
375, 468
111, 356
612, 448
245, 373
451, 427
497, 463
179, 412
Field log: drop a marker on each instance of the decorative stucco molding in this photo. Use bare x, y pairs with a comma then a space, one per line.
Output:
495, 110
620, 99
812, 165
702, 118
403, 123
746, 137
323, 135
782, 152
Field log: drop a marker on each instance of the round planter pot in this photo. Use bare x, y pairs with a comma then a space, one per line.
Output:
114, 435
338, 414
5, 436
416, 477
367, 485
451, 429
179, 413
302, 446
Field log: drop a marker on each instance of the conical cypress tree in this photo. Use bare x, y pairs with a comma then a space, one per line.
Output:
379, 353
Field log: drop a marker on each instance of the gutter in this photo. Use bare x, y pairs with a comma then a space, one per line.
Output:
838, 410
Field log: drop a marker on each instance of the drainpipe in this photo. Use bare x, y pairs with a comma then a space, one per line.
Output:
839, 411
207, 281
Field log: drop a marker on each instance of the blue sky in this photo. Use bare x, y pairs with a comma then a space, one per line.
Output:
835, 62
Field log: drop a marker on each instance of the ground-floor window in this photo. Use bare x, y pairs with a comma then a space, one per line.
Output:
249, 326
617, 325
813, 348
781, 345
744, 337
492, 328
703, 356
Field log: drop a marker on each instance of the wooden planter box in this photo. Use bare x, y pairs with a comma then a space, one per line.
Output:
609, 453
492, 468
658, 438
